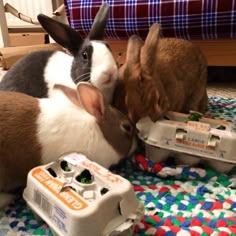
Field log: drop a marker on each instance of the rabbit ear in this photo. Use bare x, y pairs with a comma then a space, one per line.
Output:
69, 92
91, 99
133, 49
149, 50
61, 33
99, 24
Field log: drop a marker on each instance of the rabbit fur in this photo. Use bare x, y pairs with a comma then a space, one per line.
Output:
159, 75
38, 131
90, 59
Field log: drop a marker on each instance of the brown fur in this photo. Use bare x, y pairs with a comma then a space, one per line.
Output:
161, 75
120, 141
18, 129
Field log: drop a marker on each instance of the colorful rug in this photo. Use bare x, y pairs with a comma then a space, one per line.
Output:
178, 200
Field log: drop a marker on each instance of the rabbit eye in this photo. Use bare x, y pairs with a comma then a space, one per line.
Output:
126, 127
85, 55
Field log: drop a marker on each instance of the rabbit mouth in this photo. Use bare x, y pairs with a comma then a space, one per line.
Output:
108, 81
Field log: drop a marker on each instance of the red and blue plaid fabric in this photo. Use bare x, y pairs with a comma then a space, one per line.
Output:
189, 19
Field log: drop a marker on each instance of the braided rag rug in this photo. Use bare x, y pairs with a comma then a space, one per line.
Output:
178, 200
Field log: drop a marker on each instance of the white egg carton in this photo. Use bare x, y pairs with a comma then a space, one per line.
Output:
75, 196
207, 140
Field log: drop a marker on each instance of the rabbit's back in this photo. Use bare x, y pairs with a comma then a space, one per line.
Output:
182, 58
18, 115
37, 73
27, 74
182, 69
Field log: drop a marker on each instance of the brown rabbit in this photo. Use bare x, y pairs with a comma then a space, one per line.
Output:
38, 131
161, 75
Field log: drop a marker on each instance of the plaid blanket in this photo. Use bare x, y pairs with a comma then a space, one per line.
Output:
189, 19
178, 200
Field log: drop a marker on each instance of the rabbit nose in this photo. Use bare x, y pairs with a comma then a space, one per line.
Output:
109, 74
108, 77
127, 127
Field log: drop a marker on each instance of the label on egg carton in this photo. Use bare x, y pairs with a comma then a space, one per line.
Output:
68, 206
204, 138
67, 197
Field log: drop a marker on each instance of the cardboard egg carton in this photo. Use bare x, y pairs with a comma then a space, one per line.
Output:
76, 196
190, 138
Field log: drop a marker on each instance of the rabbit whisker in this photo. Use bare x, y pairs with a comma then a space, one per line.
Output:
89, 80
80, 77
83, 79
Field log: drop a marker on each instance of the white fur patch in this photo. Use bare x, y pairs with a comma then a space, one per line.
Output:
64, 127
58, 71
103, 67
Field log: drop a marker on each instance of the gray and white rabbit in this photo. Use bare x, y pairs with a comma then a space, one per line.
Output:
38, 131
91, 60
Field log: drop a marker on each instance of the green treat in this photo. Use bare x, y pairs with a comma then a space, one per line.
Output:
67, 168
221, 127
194, 116
84, 180
64, 166
85, 177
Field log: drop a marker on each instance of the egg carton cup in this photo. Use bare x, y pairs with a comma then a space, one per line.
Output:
206, 140
76, 196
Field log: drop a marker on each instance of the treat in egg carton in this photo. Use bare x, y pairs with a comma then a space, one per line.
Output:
76, 196
190, 138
